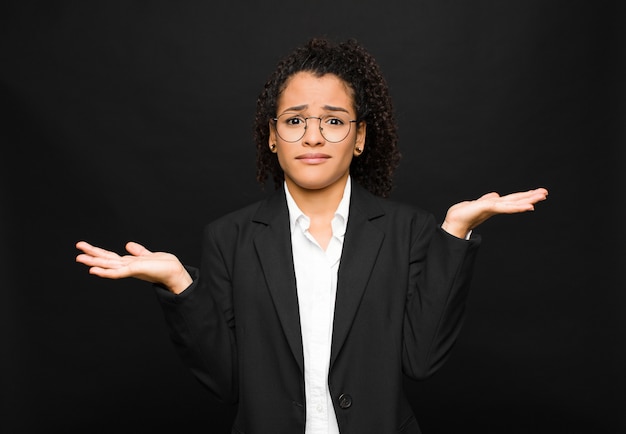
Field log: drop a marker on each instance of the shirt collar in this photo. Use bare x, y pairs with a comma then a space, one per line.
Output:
340, 221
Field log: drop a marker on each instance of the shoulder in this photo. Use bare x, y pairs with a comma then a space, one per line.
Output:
257, 214
406, 218
234, 219
244, 213
402, 208
376, 206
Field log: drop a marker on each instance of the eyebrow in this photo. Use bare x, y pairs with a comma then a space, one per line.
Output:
331, 108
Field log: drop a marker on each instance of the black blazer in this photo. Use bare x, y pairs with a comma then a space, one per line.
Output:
401, 292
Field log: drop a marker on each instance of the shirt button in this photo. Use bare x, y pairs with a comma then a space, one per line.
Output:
345, 401
319, 408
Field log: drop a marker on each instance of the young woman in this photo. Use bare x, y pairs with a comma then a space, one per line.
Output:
309, 307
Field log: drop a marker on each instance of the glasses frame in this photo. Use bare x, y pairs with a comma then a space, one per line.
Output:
306, 125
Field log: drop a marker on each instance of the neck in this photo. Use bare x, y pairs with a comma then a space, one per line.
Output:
318, 202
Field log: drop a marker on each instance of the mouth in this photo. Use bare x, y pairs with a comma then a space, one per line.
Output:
313, 158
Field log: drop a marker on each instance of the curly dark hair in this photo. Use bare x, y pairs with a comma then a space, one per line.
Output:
355, 66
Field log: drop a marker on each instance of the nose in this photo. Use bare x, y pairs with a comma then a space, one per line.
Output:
313, 133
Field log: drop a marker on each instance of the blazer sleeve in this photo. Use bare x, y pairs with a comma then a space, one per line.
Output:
440, 271
202, 323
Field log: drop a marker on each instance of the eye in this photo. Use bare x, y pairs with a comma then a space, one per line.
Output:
294, 121
334, 121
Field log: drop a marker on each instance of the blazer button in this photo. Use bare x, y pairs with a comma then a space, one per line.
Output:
345, 401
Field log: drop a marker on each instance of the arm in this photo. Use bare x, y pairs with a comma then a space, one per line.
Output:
440, 272
441, 268
202, 323
201, 328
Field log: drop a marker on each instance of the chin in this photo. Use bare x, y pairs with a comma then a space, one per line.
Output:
316, 182
312, 185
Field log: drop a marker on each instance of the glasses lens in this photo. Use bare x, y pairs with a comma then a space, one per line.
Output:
291, 127
335, 128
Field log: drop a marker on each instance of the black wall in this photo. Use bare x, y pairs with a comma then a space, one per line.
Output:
132, 121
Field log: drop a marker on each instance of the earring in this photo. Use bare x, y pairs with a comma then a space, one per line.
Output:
273, 147
358, 150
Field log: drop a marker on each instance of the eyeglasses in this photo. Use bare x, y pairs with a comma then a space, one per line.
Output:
291, 127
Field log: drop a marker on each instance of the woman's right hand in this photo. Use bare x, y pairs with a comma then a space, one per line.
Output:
156, 267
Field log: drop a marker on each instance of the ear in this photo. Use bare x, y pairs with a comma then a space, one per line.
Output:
359, 143
272, 137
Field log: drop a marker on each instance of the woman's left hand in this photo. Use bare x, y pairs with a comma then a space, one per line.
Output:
465, 216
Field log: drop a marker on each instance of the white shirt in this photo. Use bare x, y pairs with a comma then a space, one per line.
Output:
316, 281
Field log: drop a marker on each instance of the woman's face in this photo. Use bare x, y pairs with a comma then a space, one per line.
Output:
312, 162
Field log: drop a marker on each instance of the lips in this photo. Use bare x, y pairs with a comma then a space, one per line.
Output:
313, 158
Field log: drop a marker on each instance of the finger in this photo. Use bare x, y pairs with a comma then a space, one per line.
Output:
84, 258
83, 245
531, 197
100, 262
109, 273
524, 197
540, 193
514, 207
136, 249
95, 251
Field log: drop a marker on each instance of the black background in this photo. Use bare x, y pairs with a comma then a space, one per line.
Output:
133, 121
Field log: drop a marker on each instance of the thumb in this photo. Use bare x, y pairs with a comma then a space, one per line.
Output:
492, 195
136, 249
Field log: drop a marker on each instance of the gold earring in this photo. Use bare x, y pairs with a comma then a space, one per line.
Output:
358, 150
273, 147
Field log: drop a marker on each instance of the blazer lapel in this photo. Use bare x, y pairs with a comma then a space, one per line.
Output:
273, 246
360, 250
